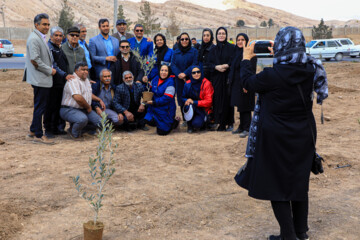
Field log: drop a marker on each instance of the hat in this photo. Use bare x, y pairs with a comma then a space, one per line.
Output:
73, 29
120, 21
188, 112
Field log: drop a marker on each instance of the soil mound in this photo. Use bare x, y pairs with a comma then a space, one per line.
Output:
18, 98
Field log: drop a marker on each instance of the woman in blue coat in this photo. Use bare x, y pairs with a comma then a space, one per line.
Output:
183, 58
163, 55
161, 109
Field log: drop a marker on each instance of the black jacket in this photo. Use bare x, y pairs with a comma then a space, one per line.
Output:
60, 65
203, 60
117, 72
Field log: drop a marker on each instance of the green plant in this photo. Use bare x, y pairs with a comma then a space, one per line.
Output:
321, 31
173, 27
121, 15
270, 23
66, 16
147, 19
263, 24
101, 167
146, 63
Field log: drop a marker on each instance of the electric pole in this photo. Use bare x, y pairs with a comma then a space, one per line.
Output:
2, 11
115, 13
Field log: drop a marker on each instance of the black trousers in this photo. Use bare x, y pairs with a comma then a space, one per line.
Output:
245, 120
52, 120
41, 96
292, 217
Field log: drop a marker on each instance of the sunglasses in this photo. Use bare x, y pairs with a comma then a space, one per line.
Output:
124, 47
74, 35
184, 39
195, 72
139, 30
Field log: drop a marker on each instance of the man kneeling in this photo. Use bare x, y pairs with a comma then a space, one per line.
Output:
76, 104
127, 103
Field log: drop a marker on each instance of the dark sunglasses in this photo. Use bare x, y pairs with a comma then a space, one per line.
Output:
139, 30
124, 46
195, 72
74, 35
184, 39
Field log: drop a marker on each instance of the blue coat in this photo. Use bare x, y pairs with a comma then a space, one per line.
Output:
98, 52
163, 108
167, 59
146, 48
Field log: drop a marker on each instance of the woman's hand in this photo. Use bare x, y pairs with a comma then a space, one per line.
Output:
244, 90
249, 51
149, 102
145, 79
182, 75
220, 68
271, 49
188, 102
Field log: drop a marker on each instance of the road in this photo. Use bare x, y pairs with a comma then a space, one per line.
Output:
19, 62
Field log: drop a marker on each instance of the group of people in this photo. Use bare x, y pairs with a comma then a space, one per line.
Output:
77, 82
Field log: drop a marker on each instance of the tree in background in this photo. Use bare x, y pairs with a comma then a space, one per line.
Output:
121, 15
270, 23
147, 19
240, 23
173, 27
66, 16
263, 24
322, 31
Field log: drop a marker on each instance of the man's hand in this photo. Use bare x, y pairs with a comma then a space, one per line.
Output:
182, 75
244, 90
141, 108
121, 118
34, 63
149, 39
111, 58
92, 82
69, 77
150, 102
145, 79
53, 72
102, 104
129, 116
89, 109
98, 111
188, 102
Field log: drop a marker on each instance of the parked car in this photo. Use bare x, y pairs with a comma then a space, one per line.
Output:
6, 48
329, 48
346, 42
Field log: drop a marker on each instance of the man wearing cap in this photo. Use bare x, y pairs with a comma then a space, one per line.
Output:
73, 52
103, 48
121, 34
145, 48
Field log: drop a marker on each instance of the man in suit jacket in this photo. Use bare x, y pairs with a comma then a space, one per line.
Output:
121, 27
127, 103
103, 48
39, 72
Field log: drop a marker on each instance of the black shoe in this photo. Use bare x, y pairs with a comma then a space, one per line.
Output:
190, 130
211, 127
244, 134
229, 128
273, 237
221, 128
237, 131
144, 128
302, 236
60, 132
49, 134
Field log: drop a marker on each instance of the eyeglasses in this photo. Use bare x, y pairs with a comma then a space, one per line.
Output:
184, 39
74, 35
195, 72
124, 47
139, 30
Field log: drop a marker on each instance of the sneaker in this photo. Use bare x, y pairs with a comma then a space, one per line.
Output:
244, 134
273, 237
302, 236
236, 131
43, 140
230, 128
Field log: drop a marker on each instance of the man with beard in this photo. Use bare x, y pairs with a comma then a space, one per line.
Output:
145, 48
127, 103
103, 48
121, 27
126, 61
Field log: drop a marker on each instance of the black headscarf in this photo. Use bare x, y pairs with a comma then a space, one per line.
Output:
196, 83
239, 51
220, 44
160, 51
169, 72
204, 45
188, 47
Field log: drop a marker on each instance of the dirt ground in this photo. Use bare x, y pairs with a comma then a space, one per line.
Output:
178, 186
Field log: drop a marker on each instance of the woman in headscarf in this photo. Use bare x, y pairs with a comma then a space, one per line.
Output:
163, 55
281, 143
205, 47
198, 92
243, 99
219, 60
183, 58
161, 109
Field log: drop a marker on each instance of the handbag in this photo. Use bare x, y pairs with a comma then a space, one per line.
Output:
317, 166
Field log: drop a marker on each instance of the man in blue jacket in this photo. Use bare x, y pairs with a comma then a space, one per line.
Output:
145, 48
103, 48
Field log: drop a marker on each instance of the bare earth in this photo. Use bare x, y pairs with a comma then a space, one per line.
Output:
175, 187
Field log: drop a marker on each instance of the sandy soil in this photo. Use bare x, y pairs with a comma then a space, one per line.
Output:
175, 187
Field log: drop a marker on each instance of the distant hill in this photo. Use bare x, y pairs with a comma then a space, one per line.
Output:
20, 13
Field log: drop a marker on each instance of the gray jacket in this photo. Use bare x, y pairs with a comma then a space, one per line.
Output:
38, 51
73, 56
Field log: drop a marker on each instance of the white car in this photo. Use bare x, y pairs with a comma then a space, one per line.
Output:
328, 48
346, 42
6, 48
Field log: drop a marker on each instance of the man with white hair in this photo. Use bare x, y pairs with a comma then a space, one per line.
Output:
127, 103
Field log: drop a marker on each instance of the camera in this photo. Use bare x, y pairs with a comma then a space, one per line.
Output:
262, 47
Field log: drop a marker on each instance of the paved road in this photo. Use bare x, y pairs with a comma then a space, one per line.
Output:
19, 62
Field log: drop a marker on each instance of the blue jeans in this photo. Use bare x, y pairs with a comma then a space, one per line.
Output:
79, 119
112, 116
41, 96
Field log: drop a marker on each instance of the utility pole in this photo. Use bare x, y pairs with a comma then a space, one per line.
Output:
115, 13
2, 11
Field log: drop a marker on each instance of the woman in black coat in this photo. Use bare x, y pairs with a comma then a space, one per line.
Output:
205, 47
243, 99
280, 147
219, 61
